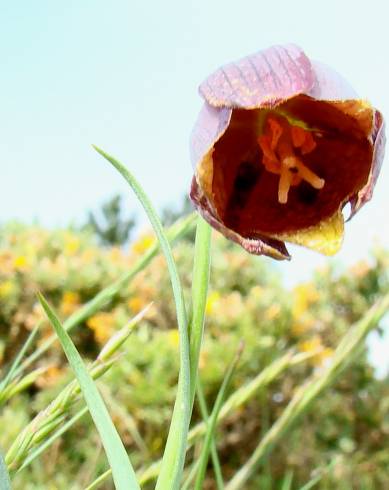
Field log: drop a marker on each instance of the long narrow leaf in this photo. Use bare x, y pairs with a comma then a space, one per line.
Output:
4, 383
314, 481
212, 421
100, 479
175, 449
5, 483
215, 459
48, 442
122, 471
200, 280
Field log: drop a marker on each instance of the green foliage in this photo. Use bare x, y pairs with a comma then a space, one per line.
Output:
110, 227
347, 429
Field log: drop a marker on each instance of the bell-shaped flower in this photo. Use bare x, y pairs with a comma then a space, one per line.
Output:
280, 146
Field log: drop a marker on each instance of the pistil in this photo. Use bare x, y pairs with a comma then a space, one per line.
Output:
283, 146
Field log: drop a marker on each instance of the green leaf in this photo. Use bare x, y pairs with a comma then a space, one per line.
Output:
215, 458
287, 481
10, 375
175, 449
314, 481
5, 483
200, 280
48, 442
122, 471
212, 421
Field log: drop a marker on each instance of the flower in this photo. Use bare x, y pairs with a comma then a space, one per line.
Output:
281, 145
70, 302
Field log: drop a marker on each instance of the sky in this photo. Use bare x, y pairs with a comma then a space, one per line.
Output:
124, 75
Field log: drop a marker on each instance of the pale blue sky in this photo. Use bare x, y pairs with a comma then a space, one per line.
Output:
124, 75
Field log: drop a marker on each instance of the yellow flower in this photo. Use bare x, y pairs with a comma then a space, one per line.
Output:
302, 325
50, 377
21, 263
311, 345
136, 304
212, 300
72, 245
6, 289
304, 295
143, 243
272, 312
173, 337
116, 255
314, 346
69, 303
102, 325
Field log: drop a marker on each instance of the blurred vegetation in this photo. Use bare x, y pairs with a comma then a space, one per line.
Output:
109, 225
349, 425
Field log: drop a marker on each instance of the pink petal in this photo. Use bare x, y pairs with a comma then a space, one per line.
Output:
263, 79
329, 85
210, 125
379, 140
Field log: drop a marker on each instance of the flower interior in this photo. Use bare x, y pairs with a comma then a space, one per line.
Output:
279, 170
283, 146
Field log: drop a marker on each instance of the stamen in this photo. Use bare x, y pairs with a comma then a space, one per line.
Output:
278, 145
284, 185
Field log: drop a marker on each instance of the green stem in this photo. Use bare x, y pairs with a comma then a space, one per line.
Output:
200, 281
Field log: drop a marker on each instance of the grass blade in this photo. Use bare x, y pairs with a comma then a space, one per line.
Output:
178, 230
200, 280
348, 347
317, 478
287, 481
175, 449
47, 443
122, 471
215, 458
212, 421
5, 482
10, 375
99, 480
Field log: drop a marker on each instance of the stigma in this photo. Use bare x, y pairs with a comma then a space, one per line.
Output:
283, 146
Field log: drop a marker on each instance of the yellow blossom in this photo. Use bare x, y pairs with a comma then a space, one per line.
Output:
304, 295
311, 345
136, 304
102, 325
49, 377
6, 289
302, 324
116, 255
319, 352
212, 301
143, 243
21, 263
72, 245
173, 337
69, 302
272, 312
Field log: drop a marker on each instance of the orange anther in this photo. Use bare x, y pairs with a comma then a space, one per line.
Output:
276, 132
277, 144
